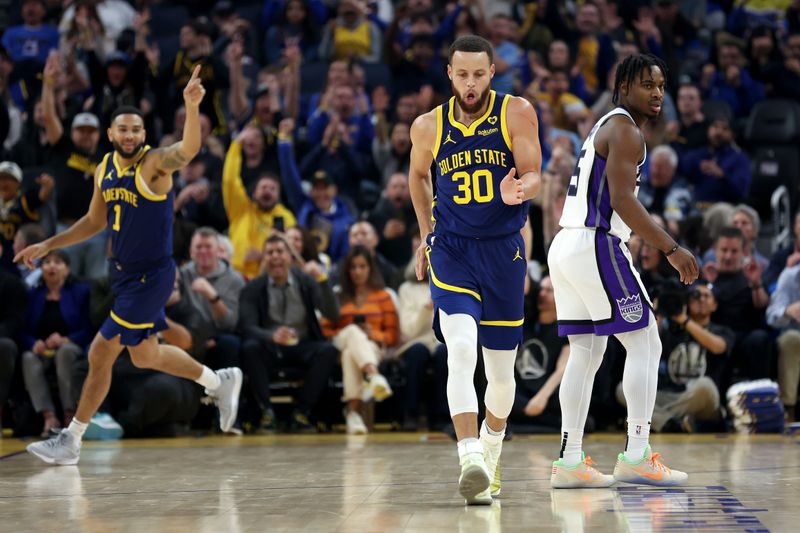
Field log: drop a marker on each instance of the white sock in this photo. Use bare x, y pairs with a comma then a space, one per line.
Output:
208, 379
469, 445
571, 446
77, 428
638, 439
491, 436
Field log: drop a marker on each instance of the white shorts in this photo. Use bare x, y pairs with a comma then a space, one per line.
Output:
596, 288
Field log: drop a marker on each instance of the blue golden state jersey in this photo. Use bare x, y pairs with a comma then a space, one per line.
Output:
471, 161
140, 222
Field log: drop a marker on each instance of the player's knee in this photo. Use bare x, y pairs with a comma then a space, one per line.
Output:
500, 396
461, 348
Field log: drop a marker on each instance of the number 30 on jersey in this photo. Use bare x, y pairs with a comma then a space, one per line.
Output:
477, 186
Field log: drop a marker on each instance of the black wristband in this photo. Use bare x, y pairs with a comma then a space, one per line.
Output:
672, 251
215, 299
685, 322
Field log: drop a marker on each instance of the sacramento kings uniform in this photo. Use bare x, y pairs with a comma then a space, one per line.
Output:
141, 271
476, 255
596, 288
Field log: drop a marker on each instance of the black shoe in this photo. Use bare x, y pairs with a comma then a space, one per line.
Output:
410, 424
268, 423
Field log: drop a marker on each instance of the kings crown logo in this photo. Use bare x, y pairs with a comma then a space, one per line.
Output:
630, 308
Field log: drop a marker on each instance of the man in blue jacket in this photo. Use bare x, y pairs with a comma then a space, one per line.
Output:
322, 211
719, 171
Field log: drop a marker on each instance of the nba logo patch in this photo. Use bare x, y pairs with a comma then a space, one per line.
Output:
630, 308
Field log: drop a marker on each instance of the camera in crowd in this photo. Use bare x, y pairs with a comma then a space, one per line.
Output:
672, 297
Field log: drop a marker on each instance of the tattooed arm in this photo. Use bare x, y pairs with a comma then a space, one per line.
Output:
159, 164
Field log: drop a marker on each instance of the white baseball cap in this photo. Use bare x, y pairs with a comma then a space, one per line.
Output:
85, 119
12, 169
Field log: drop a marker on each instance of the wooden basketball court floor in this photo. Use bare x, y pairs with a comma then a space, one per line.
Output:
390, 482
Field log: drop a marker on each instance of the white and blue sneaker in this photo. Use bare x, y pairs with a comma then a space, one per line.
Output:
102, 426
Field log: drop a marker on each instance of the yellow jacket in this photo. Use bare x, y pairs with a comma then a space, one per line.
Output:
249, 225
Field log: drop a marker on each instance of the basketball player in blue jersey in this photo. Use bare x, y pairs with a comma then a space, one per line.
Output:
133, 198
598, 292
486, 156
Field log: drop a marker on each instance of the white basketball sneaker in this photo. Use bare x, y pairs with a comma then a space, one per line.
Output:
63, 449
491, 454
226, 396
473, 484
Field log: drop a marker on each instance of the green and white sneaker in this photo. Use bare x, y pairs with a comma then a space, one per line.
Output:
491, 454
582, 475
648, 471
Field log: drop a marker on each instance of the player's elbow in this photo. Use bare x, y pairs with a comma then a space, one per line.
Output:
618, 200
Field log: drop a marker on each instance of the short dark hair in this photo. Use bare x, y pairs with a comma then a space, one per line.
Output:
126, 110
632, 66
278, 238
32, 233
731, 232
269, 176
471, 43
60, 254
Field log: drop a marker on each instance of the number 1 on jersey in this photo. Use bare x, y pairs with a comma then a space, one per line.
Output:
117, 214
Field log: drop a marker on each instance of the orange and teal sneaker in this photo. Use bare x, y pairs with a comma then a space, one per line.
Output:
648, 471
582, 475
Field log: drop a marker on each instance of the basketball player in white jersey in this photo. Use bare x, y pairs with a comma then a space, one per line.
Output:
598, 292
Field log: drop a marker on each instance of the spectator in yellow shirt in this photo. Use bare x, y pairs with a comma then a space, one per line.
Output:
251, 219
569, 111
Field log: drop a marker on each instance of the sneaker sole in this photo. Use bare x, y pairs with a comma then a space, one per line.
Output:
579, 485
652, 482
381, 393
50, 460
474, 481
237, 387
98, 432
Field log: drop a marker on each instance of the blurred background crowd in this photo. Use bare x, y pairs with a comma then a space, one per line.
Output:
294, 230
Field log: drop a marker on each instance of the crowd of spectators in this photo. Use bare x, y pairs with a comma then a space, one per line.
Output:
294, 231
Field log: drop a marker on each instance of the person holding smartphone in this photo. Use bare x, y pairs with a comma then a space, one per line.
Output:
367, 325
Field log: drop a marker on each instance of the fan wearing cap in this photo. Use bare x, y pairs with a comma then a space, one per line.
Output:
17, 208
117, 82
720, 171
322, 211
73, 160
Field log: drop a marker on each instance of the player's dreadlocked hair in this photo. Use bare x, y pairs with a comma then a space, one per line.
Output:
631, 67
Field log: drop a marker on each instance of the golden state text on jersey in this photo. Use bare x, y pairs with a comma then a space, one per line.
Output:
470, 162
